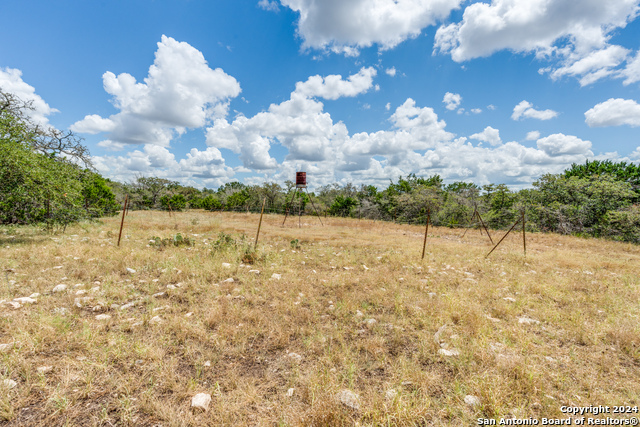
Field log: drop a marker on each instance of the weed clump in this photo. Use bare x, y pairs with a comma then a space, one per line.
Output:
177, 240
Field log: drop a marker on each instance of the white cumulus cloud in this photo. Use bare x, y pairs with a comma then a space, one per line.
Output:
181, 92
533, 135
525, 110
489, 134
451, 100
560, 144
334, 86
614, 112
631, 73
346, 26
575, 34
11, 82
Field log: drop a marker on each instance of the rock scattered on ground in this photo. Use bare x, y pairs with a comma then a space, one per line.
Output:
44, 369
527, 321
449, 353
130, 270
290, 392
103, 317
201, 401
295, 357
472, 400
59, 288
349, 399
276, 276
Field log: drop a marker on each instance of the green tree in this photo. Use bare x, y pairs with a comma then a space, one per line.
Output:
176, 202
99, 199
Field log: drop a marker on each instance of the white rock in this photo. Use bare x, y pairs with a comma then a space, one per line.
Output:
369, 323
290, 392
171, 287
59, 288
189, 314
7, 383
448, 353
472, 400
25, 300
201, 401
130, 270
226, 265
34, 295
128, 305
509, 299
276, 276
295, 357
103, 317
207, 363
159, 294
527, 321
57, 267
14, 304
155, 320
81, 292
254, 271
349, 399
229, 280
5, 347
44, 369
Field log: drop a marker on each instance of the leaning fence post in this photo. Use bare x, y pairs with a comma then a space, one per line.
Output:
514, 226
259, 224
124, 210
424, 245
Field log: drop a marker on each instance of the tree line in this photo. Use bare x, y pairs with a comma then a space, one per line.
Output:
46, 177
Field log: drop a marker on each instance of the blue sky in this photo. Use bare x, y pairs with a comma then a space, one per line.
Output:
359, 91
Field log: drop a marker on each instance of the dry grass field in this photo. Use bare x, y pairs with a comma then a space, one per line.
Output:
344, 326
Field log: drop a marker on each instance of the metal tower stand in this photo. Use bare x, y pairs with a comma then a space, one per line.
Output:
291, 202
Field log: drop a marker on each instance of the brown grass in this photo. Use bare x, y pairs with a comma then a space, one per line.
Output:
237, 344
